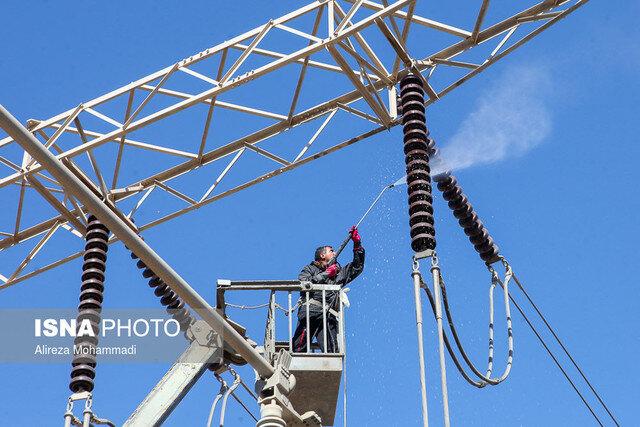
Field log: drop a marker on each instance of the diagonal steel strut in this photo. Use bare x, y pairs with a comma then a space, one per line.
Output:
74, 186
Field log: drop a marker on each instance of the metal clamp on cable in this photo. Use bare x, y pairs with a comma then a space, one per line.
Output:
434, 261
88, 417
415, 265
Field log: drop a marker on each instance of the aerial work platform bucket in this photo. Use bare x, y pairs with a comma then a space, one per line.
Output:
317, 383
317, 373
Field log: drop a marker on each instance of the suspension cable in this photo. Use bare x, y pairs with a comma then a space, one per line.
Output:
533, 329
553, 357
255, 307
507, 309
238, 378
226, 391
225, 398
223, 388
434, 299
454, 357
575, 364
243, 384
246, 307
486, 377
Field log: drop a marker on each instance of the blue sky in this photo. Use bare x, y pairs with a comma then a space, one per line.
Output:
559, 197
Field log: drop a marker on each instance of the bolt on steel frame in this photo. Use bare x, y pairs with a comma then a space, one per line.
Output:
351, 39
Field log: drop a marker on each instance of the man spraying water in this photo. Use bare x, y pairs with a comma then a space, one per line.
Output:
325, 270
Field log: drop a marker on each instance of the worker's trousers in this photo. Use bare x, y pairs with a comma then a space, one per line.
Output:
316, 330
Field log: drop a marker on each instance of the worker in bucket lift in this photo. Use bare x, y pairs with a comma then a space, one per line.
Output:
323, 271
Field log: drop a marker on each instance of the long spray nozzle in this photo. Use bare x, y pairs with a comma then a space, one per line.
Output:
401, 181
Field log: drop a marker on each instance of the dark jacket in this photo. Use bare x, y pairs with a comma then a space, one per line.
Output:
314, 273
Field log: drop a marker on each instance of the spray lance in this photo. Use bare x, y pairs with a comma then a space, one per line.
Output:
401, 181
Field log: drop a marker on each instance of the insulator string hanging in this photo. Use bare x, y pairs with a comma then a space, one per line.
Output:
485, 378
90, 306
416, 152
168, 298
176, 307
463, 211
454, 357
467, 218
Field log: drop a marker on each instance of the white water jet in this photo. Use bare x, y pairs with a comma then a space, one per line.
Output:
509, 119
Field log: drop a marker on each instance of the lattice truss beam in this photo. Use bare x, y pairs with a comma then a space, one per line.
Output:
216, 123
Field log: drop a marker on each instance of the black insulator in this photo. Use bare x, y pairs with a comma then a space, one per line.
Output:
161, 290
80, 380
467, 218
480, 238
96, 242
168, 298
92, 273
416, 149
92, 284
154, 282
469, 221
90, 305
463, 211
95, 253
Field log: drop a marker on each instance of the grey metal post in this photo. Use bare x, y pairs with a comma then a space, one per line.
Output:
341, 328
225, 399
435, 271
324, 322
86, 417
129, 237
290, 322
308, 325
68, 416
418, 301
343, 350
223, 388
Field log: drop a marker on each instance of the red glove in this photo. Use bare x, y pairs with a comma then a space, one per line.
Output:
332, 271
355, 236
